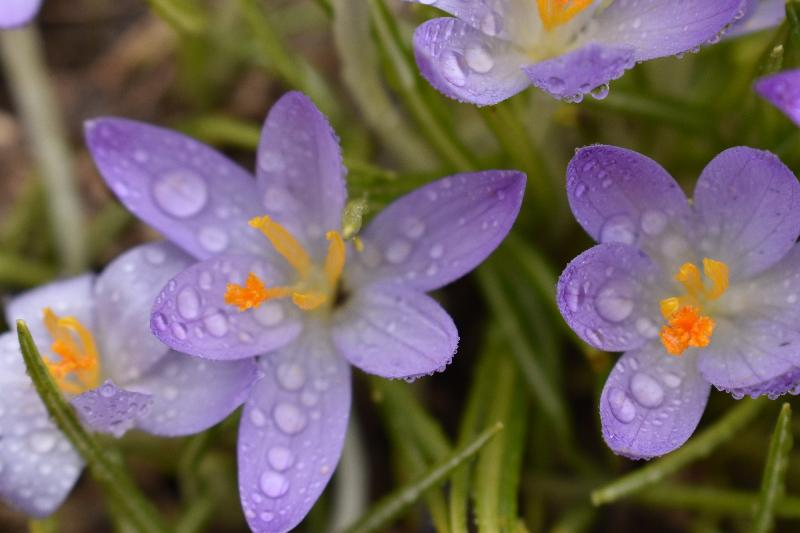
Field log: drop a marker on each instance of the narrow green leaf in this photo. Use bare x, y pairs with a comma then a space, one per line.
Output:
712, 500
395, 503
700, 446
182, 16
107, 471
773, 484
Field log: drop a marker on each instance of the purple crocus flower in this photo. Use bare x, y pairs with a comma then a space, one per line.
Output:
695, 293
568, 48
93, 332
15, 13
283, 282
783, 91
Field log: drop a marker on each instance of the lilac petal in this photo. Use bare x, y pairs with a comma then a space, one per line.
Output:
195, 196
191, 394
748, 207
190, 314
439, 232
754, 347
609, 295
652, 402
511, 20
759, 15
124, 295
620, 196
783, 91
465, 64
659, 28
292, 432
14, 13
393, 332
69, 297
38, 466
575, 74
300, 172
110, 409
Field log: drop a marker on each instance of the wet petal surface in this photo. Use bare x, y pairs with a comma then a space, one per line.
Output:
110, 409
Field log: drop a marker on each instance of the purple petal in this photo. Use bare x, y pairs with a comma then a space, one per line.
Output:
394, 332
69, 297
759, 15
191, 394
620, 196
748, 207
652, 402
124, 295
190, 314
292, 432
464, 63
658, 28
195, 196
300, 172
439, 232
38, 466
511, 20
783, 91
609, 295
110, 409
14, 13
754, 349
575, 74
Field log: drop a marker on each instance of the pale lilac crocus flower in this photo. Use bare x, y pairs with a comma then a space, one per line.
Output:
15, 13
282, 280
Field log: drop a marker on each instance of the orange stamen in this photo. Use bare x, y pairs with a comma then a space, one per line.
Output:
253, 293
687, 327
557, 12
78, 367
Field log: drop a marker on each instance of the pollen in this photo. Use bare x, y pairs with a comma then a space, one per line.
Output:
687, 327
78, 368
558, 12
253, 293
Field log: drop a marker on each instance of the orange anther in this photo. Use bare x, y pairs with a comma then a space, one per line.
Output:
253, 293
687, 327
557, 12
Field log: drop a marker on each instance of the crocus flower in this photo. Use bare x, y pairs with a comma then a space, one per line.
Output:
279, 280
15, 13
783, 91
93, 332
568, 48
695, 293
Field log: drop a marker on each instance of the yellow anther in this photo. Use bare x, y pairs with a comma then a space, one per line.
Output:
308, 301
78, 367
557, 12
334, 261
717, 272
669, 306
284, 243
689, 276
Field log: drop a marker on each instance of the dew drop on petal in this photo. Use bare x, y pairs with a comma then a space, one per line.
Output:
216, 324
180, 193
280, 458
273, 484
671, 380
452, 69
42, 441
614, 302
289, 418
478, 59
653, 222
257, 417
622, 407
269, 314
188, 303
398, 251
646, 390
213, 239
291, 376
618, 229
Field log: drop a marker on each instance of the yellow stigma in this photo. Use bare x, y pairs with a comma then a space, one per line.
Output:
312, 289
686, 325
78, 367
557, 12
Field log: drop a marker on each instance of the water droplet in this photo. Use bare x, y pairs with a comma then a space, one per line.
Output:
213, 239
593, 337
180, 193
280, 458
621, 406
653, 222
216, 324
160, 321
205, 280
452, 69
108, 390
289, 418
271, 161
436, 251
414, 228
646, 328
398, 251
615, 302
489, 24
273, 484
671, 380
179, 330
266, 516
269, 314
188, 303
291, 376
478, 59
257, 417
42, 441
618, 229
646, 390
600, 92
580, 190
556, 85
170, 393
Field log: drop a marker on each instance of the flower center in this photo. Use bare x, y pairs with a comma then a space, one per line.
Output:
557, 12
686, 325
314, 287
78, 367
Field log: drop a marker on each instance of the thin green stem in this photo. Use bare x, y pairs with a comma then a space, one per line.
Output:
107, 471
182, 16
704, 499
697, 448
37, 105
773, 485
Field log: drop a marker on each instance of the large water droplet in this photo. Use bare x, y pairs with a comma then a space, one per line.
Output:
398, 251
671, 380
273, 484
452, 69
42, 441
621, 406
213, 239
280, 458
216, 324
615, 302
180, 193
269, 314
646, 390
289, 418
291, 376
618, 229
188, 303
653, 222
478, 59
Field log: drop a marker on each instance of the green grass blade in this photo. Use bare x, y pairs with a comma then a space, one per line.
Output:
773, 485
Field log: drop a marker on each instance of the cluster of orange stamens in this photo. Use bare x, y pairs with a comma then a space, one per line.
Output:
78, 367
557, 12
686, 325
311, 289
